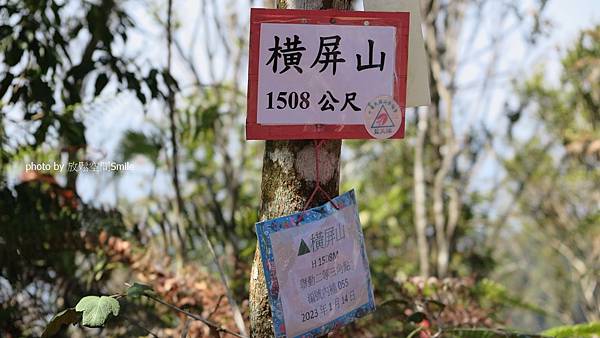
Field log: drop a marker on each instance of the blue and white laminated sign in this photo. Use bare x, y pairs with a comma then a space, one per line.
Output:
316, 269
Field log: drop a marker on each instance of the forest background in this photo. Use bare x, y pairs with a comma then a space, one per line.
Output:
486, 216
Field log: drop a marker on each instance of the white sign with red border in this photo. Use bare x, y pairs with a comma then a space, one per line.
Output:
316, 74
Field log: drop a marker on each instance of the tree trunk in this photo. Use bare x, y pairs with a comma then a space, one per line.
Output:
288, 179
420, 212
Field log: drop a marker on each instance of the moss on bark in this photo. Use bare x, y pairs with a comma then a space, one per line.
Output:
287, 184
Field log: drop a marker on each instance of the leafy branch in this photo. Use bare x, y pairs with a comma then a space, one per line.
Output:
94, 311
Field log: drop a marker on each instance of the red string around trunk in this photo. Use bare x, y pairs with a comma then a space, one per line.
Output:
318, 187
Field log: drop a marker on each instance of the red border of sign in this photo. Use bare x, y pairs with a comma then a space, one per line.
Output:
255, 131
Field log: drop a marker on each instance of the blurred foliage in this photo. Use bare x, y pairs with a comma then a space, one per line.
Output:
54, 56
440, 306
136, 143
556, 180
385, 197
57, 57
219, 180
98, 311
382, 175
65, 317
583, 330
48, 252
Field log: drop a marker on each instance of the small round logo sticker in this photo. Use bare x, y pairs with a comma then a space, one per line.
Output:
383, 117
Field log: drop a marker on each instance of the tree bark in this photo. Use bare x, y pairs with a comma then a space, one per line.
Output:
420, 212
288, 179
445, 210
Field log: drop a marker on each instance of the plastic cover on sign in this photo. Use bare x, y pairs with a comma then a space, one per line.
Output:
316, 268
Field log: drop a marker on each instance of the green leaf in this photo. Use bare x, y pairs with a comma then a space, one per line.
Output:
476, 333
486, 333
170, 81
152, 83
417, 317
5, 83
65, 317
137, 143
392, 310
140, 96
96, 310
414, 332
13, 56
101, 82
5, 31
581, 330
139, 289
40, 133
434, 307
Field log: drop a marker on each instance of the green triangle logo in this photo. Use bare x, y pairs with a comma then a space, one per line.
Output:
303, 249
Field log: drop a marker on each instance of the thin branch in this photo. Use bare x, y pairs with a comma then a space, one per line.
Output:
173, 138
186, 328
134, 323
216, 306
523, 185
195, 316
237, 314
190, 63
420, 212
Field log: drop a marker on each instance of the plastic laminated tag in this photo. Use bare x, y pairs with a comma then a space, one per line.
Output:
316, 268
